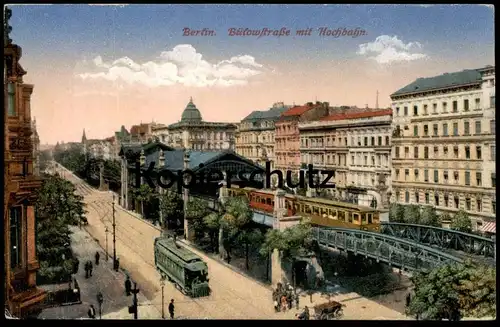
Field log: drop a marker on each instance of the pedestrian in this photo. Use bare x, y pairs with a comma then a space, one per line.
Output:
91, 312
128, 286
171, 309
283, 303
97, 256
90, 268
297, 301
87, 269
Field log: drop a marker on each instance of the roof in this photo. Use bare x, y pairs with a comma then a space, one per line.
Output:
468, 76
135, 149
355, 115
183, 253
139, 129
191, 113
272, 113
298, 110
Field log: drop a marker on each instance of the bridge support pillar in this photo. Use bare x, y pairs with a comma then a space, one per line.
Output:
277, 273
188, 230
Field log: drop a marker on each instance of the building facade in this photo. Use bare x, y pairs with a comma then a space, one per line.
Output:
35, 138
20, 186
191, 132
287, 138
256, 136
356, 144
444, 145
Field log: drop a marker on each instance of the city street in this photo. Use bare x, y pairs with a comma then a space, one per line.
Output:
233, 296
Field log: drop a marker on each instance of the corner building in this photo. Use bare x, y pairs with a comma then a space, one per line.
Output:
444, 148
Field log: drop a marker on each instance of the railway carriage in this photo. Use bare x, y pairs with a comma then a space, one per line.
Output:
182, 267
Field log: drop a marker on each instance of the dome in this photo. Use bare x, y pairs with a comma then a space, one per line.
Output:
191, 114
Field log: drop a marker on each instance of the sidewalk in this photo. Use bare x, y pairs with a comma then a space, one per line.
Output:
105, 280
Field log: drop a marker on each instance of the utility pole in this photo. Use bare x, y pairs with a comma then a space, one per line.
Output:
133, 307
107, 255
115, 265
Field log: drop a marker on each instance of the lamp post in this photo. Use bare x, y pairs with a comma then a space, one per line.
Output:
115, 265
107, 231
162, 283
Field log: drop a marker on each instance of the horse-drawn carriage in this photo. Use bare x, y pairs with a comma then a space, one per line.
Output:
328, 311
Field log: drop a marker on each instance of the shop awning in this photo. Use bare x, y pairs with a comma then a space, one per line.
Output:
489, 227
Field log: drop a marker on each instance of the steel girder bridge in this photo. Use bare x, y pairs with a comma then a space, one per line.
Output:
395, 251
442, 238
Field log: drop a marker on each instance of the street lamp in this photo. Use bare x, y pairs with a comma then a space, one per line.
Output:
100, 299
107, 231
115, 264
162, 283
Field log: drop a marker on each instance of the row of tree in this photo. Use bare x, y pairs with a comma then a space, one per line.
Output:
427, 215
57, 207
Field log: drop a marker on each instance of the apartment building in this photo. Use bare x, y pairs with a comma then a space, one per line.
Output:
444, 145
356, 144
256, 136
287, 136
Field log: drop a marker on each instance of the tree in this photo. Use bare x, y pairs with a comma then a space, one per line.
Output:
454, 291
293, 241
429, 217
196, 210
461, 222
396, 213
171, 208
411, 214
143, 194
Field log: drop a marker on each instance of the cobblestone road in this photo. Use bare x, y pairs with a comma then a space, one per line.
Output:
233, 296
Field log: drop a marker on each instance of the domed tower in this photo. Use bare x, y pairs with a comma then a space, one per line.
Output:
191, 114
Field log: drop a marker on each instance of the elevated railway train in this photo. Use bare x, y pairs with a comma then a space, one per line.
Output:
322, 212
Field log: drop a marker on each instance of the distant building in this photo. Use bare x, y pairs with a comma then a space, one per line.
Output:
99, 149
287, 148
191, 132
356, 144
444, 149
256, 136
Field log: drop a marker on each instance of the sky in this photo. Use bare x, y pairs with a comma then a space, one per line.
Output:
99, 67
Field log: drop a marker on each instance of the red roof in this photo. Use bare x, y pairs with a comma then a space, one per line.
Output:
298, 110
355, 115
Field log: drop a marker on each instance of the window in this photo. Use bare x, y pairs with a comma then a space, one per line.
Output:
479, 154
467, 178
415, 152
494, 207
426, 130
456, 176
434, 108
407, 152
445, 151
467, 152
373, 141
436, 176
455, 106
366, 161
455, 151
11, 89
406, 111
425, 109
445, 107
397, 111
416, 175
387, 140
435, 129
478, 127
457, 201
479, 205
417, 197
455, 129
467, 204
493, 152
352, 160
478, 103
407, 197
466, 105
398, 196
373, 161
415, 110
446, 200
436, 152
426, 175
427, 200
445, 129
15, 236
479, 179
436, 199
445, 176
493, 180
466, 128
492, 126
426, 153
415, 130
366, 141
397, 152
492, 102
380, 140
407, 174
397, 173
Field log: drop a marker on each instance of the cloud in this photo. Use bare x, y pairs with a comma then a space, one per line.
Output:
386, 49
182, 65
